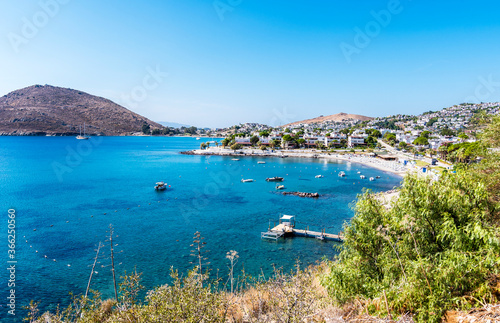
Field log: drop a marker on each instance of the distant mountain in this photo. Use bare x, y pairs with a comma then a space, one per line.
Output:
51, 110
173, 124
334, 117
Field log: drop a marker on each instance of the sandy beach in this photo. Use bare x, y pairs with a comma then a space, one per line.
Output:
394, 167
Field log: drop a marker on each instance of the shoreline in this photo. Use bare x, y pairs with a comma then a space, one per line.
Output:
392, 167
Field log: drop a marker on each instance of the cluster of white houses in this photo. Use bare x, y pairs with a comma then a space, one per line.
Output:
358, 138
310, 140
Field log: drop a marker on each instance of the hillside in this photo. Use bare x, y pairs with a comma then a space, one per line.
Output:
50, 110
334, 117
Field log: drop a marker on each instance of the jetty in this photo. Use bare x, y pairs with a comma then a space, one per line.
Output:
286, 228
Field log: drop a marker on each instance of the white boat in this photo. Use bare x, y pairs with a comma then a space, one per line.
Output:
280, 187
362, 176
80, 137
377, 176
198, 138
160, 186
261, 162
246, 180
341, 174
359, 172
235, 159
372, 178
319, 176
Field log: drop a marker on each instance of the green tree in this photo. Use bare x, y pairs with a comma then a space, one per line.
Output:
425, 134
421, 141
146, 129
254, 140
447, 132
225, 142
376, 133
236, 147
463, 137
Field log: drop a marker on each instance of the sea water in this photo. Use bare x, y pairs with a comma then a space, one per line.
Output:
67, 192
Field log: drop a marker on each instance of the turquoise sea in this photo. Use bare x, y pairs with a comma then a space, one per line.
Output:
66, 193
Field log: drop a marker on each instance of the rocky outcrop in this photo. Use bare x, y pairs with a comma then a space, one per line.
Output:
302, 194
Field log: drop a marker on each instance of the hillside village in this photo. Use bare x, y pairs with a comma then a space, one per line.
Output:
430, 130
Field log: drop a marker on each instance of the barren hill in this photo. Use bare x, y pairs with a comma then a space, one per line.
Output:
334, 117
39, 110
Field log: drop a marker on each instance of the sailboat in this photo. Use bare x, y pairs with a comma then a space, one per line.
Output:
80, 135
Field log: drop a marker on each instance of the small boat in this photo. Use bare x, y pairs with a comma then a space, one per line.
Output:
198, 138
372, 178
160, 186
341, 174
80, 137
261, 162
246, 180
319, 176
274, 179
359, 172
235, 159
377, 176
362, 176
280, 187
321, 238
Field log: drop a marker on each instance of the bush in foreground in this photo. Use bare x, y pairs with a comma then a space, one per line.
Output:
435, 249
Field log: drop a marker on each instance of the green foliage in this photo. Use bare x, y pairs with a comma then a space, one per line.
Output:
389, 136
236, 146
146, 129
421, 141
431, 122
464, 152
254, 140
225, 142
371, 142
433, 250
425, 134
447, 132
185, 300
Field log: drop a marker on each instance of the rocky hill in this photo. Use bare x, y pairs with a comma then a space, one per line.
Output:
50, 110
339, 117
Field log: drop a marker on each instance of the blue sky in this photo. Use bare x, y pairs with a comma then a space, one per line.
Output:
273, 62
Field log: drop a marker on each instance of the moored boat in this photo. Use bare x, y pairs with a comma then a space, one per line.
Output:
372, 178
274, 179
280, 187
319, 176
261, 162
362, 176
341, 174
80, 137
246, 180
160, 186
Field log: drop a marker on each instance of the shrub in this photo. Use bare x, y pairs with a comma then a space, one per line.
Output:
433, 250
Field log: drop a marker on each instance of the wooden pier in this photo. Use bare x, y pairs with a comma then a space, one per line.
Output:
286, 227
